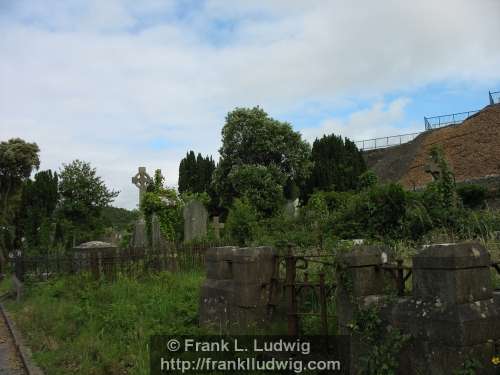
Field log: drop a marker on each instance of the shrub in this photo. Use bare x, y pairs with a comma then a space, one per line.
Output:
472, 196
241, 223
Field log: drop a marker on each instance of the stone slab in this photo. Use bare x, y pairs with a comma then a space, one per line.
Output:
452, 256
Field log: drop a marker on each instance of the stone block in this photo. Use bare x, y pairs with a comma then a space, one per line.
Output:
253, 265
218, 262
453, 285
363, 255
216, 298
251, 295
450, 325
452, 256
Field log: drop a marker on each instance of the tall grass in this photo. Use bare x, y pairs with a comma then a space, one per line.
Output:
78, 326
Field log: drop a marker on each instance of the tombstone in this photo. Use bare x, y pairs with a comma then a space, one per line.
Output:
195, 220
142, 179
99, 255
217, 226
291, 208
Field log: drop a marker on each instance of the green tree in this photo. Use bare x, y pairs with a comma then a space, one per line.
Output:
251, 138
39, 199
242, 222
83, 196
18, 159
337, 165
195, 173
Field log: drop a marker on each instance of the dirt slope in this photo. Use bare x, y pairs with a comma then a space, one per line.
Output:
472, 149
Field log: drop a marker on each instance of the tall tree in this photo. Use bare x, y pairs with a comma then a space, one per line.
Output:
18, 159
250, 138
195, 173
39, 199
337, 165
83, 196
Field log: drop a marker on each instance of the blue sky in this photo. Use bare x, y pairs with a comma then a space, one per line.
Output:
124, 83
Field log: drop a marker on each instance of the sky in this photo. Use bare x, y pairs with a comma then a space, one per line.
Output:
126, 83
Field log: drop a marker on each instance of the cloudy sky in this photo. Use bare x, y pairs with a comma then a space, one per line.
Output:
129, 83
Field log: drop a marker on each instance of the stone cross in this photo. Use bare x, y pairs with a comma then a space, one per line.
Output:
217, 226
141, 180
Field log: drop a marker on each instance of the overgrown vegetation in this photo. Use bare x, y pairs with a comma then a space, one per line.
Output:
79, 326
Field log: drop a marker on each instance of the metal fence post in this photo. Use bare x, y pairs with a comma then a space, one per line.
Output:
293, 327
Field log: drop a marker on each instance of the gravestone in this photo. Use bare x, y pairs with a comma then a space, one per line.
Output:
291, 208
99, 255
217, 225
141, 180
195, 220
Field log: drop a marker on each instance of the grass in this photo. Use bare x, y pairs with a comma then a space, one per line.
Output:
78, 326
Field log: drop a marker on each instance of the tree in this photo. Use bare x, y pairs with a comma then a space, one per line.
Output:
337, 165
83, 197
195, 173
17, 160
251, 138
39, 199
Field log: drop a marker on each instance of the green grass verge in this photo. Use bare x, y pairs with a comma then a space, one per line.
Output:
74, 325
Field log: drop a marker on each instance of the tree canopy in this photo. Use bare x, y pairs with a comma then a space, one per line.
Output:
195, 173
251, 138
337, 165
83, 195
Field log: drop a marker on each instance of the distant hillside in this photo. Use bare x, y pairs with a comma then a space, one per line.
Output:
472, 149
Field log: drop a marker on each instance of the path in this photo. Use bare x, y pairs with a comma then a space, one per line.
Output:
10, 362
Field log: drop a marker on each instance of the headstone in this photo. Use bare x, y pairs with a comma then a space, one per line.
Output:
139, 236
195, 220
291, 208
100, 255
217, 226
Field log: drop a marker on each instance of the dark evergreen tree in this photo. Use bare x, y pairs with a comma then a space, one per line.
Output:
337, 165
195, 173
38, 201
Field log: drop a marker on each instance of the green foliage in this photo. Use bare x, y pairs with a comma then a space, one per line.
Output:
367, 180
165, 204
119, 218
469, 367
442, 191
39, 199
263, 186
17, 160
241, 223
251, 138
384, 342
195, 173
78, 326
337, 165
83, 195
472, 196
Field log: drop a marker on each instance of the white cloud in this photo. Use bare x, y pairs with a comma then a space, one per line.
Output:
100, 80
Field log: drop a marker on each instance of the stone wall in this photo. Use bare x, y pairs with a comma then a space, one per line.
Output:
235, 293
452, 315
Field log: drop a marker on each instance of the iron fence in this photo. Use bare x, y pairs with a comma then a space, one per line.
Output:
494, 97
383, 142
447, 120
133, 262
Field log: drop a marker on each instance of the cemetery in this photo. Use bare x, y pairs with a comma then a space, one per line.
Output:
260, 187
416, 276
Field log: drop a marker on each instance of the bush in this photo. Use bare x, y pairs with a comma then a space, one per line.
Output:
241, 223
472, 196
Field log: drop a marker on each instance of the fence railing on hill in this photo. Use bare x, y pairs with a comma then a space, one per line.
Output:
494, 97
383, 142
436, 122
132, 262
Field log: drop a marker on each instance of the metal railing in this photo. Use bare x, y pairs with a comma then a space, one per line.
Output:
383, 142
494, 97
446, 120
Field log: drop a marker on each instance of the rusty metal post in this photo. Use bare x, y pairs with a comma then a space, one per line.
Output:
322, 303
293, 326
400, 278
